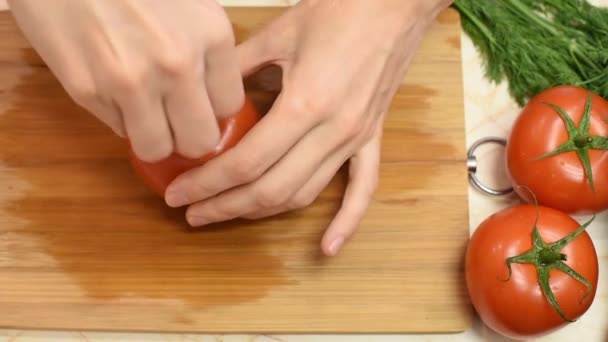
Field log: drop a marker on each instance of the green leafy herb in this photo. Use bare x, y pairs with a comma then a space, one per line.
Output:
539, 44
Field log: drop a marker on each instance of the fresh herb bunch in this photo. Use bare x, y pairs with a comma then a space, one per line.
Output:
539, 44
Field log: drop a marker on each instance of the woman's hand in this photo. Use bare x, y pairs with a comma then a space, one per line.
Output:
160, 73
342, 61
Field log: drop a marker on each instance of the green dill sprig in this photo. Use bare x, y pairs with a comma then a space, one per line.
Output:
539, 44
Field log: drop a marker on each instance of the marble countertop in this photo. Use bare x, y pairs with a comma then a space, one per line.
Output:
489, 112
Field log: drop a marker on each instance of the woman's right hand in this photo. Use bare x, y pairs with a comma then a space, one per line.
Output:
160, 73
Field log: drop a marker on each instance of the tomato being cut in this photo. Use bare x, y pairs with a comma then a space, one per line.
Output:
557, 148
159, 175
554, 271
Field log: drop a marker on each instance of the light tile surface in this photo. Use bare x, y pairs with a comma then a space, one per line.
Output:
489, 112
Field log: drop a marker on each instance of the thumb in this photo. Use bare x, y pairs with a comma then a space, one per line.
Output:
262, 49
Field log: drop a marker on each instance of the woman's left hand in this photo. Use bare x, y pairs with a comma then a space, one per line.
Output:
342, 62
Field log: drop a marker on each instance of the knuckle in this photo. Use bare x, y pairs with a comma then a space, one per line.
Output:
309, 106
197, 188
370, 132
220, 40
247, 169
269, 197
125, 81
175, 55
221, 35
365, 135
301, 201
177, 64
241, 173
152, 150
83, 93
221, 212
351, 128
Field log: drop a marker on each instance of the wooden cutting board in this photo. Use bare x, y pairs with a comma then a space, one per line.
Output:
84, 245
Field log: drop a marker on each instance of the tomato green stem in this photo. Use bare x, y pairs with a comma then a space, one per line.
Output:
547, 257
579, 140
583, 141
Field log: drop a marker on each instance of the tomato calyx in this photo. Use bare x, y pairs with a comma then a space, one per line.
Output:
579, 139
546, 257
583, 141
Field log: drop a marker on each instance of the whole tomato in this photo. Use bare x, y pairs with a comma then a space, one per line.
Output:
557, 148
159, 175
554, 271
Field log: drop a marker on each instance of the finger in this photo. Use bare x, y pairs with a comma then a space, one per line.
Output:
275, 187
147, 127
112, 117
224, 82
82, 87
264, 48
363, 177
319, 181
363, 180
195, 128
260, 214
257, 151
108, 114
252, 156
311, 189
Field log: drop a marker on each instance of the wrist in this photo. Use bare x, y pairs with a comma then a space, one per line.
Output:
420, 8
403, 15
432, 7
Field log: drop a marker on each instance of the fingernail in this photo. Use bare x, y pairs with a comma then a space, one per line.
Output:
335, 245
175, 198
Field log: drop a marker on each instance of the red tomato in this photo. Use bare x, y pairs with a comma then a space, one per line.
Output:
560, 181
516, 307
160, 174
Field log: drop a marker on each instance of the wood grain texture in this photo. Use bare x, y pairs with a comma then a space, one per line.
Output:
84, 245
